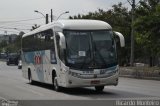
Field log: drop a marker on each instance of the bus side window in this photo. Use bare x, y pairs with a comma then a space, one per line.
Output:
47, 43
53, 57
37, 41
29, 43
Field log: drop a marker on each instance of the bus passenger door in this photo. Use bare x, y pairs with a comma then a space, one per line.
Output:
61, 58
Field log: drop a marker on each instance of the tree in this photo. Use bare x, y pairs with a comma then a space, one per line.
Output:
18, 40
35, 26
147, 27
3, 44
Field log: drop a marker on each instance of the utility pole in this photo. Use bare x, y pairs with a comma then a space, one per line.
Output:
132, 32
51, 15
47, 21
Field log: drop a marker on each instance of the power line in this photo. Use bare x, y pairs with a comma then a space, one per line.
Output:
14, 25
13, 28
18, 26
129, 2
4, 27
21, 20
9, 31
18, 23
124, 3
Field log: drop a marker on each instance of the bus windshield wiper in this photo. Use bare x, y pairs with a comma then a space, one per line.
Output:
101, 57
84, 62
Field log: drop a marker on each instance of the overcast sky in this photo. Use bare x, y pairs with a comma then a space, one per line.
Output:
13, 10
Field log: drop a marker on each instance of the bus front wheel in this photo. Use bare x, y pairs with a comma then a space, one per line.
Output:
99, 88
55, 82
30, 77
56, 86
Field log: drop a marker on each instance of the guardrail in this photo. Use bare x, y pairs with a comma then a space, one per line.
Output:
140, 72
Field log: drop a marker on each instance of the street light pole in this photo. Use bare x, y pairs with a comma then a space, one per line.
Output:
51, 15
47, 21
40, 13
132, 32
62, 14
46, 17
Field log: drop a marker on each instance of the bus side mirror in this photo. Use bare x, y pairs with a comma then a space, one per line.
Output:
62, 41
121, 37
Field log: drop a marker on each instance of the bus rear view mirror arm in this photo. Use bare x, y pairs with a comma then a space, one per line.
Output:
62, 42
121, 37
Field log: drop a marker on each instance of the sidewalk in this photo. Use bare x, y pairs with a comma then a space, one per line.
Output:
140, 72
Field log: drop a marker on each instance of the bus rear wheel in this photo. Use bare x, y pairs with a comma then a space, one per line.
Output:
99, 88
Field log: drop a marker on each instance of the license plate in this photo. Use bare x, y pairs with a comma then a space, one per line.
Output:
96, 71
95, 82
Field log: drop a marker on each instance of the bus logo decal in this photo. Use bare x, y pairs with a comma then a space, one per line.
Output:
37, 58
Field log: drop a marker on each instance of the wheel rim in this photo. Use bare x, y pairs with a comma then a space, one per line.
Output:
55, 84
30, 78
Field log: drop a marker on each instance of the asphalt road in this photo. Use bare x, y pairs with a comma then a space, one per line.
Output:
14, 87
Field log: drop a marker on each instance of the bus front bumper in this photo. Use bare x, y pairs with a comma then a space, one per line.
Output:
72, 81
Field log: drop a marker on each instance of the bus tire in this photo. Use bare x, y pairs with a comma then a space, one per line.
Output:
30, 77
55, 82
56, 86
99, 88
8, 64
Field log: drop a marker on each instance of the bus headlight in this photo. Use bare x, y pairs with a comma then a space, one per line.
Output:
74, 74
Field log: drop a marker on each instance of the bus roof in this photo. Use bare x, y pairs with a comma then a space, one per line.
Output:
75, 24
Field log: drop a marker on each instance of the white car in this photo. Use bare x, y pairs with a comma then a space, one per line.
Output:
20, 64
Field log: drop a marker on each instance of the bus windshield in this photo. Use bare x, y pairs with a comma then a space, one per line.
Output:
90, 49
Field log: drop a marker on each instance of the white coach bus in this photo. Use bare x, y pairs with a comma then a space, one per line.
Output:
72, 53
